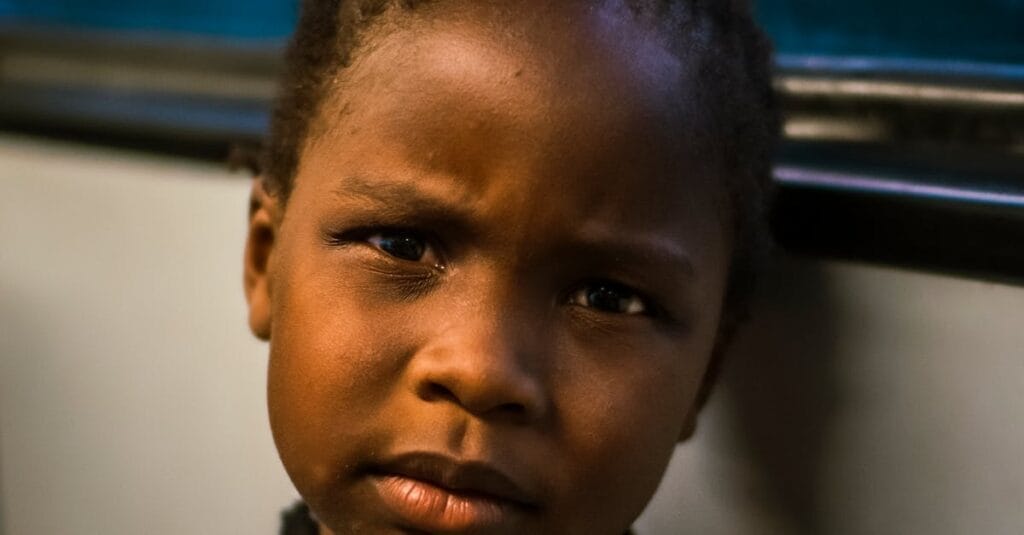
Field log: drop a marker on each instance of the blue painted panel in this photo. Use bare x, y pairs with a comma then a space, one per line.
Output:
969, 30
245, 19
963, 30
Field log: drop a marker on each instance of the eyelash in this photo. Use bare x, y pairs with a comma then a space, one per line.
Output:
367, 235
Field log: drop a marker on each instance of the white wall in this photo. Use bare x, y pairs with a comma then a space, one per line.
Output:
862, 401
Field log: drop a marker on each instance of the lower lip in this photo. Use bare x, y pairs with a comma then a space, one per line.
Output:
432, 508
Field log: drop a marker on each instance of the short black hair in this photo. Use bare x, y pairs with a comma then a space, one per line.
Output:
733, 61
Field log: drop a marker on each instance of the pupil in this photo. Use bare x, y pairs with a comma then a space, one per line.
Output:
605, 298
404, 246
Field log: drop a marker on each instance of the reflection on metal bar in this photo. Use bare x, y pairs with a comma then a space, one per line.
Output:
857, 65
904, 91
51, 70
828, 179
849, 129
904, 104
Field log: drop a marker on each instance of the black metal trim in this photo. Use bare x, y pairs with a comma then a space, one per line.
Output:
909, 222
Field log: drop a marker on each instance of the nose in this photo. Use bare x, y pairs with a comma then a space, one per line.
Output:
485, 364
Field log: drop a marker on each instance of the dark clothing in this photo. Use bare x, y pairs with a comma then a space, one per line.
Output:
297, 521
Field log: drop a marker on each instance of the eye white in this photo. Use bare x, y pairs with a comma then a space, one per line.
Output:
634, 305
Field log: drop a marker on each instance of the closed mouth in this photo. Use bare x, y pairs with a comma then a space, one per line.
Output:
438, 493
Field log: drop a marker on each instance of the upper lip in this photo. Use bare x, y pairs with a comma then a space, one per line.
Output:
466, 477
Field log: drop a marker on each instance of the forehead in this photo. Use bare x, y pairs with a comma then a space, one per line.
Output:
549, 35
552, 64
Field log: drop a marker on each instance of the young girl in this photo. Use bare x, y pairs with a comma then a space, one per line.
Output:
495, 248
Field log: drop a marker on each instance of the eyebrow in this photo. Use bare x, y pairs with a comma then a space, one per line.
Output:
642, 250
404, 200
386, 192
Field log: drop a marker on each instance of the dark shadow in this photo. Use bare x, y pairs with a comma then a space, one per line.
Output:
780, 384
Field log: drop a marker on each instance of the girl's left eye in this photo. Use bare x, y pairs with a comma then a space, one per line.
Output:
404, 245
609, 297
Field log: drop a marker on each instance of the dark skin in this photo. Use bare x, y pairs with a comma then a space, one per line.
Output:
494, 290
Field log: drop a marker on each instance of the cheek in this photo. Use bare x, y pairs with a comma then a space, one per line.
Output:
334, 359
622, 428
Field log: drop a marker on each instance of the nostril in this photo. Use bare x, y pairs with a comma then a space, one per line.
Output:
513, 409
437, 392
432, 391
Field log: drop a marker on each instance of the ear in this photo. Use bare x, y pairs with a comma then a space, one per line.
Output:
259, 246
689, 424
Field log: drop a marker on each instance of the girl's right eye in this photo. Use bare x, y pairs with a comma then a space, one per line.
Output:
404, 245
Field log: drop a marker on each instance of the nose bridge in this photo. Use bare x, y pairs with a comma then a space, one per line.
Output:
495, 331
486, 357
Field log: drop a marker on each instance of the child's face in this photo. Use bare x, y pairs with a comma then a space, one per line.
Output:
494, 292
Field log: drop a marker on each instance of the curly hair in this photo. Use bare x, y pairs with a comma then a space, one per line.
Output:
733, 72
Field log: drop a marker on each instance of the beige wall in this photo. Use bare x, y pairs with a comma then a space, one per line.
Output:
862, 401
131, 394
